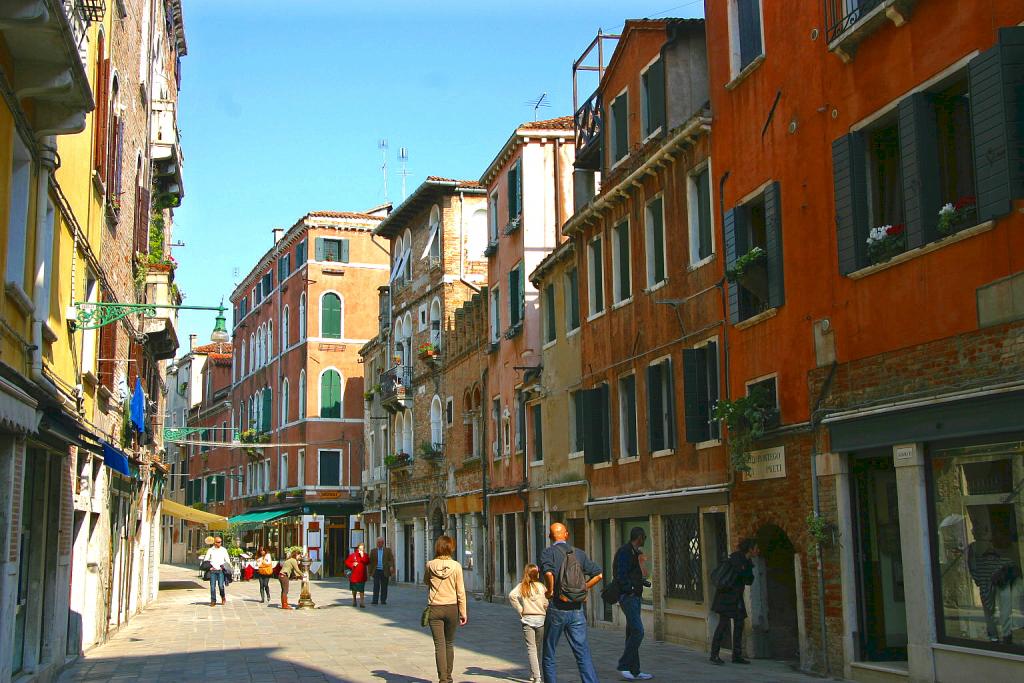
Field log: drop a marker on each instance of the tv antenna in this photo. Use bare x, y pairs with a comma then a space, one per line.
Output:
403, 157
538, 103
382, 145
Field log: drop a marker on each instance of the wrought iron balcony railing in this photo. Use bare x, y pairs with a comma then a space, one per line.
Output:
840, 15
395, 382
589, 124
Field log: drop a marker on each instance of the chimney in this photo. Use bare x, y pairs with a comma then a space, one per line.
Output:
192, 342
278, 234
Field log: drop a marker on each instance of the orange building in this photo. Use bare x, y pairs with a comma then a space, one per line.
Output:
869, 160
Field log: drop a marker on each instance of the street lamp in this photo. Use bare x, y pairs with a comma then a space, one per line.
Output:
92, 315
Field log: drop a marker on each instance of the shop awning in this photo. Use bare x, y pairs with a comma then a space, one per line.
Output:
258, 518
18, 409
212, 521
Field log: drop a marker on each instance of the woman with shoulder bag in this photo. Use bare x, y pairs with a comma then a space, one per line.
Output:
446, 605
356, 562
264, 570
289, 570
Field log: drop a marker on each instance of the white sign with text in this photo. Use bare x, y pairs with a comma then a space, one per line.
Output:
769, 463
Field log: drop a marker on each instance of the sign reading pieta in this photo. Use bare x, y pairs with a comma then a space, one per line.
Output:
767, 464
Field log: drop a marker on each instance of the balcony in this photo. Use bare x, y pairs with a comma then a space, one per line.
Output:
47, 47
396, 388
161, 329
166, 148
589, 124
849, 22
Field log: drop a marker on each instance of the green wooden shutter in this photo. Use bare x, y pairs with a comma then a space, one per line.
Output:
620, 122
655, 410
622, 236
344, 251
549, 313
657, 239
221, 488
319, 249
538, 433
188, 493
519, 186
703, 181
997, 123
574, 298
597, 270
514, 191
849, 176
268, 401
714, 429
514, 294
749, 15
330, 316
773, 245
735, 229
595, 424
695, 395
330, 394
629, 386
656, 96
919, 166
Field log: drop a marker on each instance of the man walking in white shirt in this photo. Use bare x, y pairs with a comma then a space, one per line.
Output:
220, 562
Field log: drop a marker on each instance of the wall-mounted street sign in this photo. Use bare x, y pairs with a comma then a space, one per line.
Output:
769, 463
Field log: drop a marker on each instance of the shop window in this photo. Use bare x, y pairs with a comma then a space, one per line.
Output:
684, 576
977, 514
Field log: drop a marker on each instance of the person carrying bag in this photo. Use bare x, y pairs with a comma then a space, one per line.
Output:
264, 570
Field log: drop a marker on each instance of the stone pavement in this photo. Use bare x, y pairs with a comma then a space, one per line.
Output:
181, 638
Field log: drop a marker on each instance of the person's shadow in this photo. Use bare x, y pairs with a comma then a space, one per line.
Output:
389, 677
494, 673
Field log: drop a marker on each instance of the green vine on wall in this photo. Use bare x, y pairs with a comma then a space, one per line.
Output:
747, 418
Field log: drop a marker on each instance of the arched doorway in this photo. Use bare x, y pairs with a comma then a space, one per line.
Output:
774, 617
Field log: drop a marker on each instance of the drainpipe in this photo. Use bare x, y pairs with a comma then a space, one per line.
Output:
43, 270
485, 459
816, 499
725, 323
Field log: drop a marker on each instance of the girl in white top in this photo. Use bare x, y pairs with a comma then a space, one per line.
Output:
530, 600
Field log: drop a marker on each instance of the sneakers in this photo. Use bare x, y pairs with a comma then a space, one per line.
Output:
740, 660
715, 659
627, 676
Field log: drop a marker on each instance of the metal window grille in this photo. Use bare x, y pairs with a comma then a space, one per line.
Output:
683, 553
91, 10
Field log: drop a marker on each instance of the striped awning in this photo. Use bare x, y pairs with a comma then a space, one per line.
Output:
18, 409
259, 518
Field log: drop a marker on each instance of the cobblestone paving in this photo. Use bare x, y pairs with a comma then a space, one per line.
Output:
181, 638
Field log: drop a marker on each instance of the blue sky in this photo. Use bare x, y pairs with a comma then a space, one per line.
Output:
283, 102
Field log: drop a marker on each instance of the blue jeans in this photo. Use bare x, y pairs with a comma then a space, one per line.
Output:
574, 625
630, 659
216, 576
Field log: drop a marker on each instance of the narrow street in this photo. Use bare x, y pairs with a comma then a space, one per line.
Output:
181, 638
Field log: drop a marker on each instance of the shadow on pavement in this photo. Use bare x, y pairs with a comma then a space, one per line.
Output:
389, 677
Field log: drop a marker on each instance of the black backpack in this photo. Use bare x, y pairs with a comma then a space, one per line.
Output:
572, 582
725, 575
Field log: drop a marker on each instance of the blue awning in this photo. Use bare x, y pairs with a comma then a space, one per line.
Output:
116, 460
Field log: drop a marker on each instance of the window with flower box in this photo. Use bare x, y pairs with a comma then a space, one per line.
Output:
753, 255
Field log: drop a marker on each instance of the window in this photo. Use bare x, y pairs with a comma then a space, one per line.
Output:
302, 316
434, 238
300, 468
282, 474
267, 284
17, 221
284, 401
537, 433
302, 395
661, 413
684, 575
492, 213
270, 340
572, 300
744, 33
516, 296
436, 424
976, 516
495, 315
284, 329
622, 288
654, 241
515, 190
753, 237
576, 425
627, 417
435, 323
700, 392
300, 254
770, 388
595, 276
267, 409
520, 421
652, 100
496, 425
330, 316
549, 313
407, 257
449, 411
331, 250
330, 468
284, 267
619, 116
330, 394
698, 202
597, 425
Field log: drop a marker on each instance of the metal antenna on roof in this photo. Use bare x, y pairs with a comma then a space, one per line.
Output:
382, 145
538, 103
403, 157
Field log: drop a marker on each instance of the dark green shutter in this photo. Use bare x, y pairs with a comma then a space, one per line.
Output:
515, 190
620, 122
538, 433
735, 229
595, 424
997, 123
549, 312
330, 316
773, 245
574, 298
695, 394
578, 414
221, 493
655, 410
656, 96
268, 401
514, 293
849, 175
703, 181
330, 394
300, 254
629, 386
668, 377
597, 274
519, 186
344, 251
658, 239
188, 493
319, 249
749, 15
712, 374
622, 236
919, 159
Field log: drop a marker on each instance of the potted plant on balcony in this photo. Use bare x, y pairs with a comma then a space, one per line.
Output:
886, 241
747, 418
393, 460
431, 451
739, 268
254, 436
368, 396
427, 351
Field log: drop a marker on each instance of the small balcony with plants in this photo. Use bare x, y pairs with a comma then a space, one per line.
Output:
398, 460
252, 439
431, 451
396, 388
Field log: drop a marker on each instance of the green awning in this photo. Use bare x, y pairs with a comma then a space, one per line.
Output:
254, 519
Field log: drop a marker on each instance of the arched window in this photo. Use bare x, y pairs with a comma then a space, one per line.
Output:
407, 436
270, 340
284, 330
241, 417
435, 323
302, 394
330, 316
302, 316
407, 249
399, 342
330, 393
407, 359
241, 363
436, 423
284, 401
434, 234
399, 432
267, 409
476, 239
251, 414
252, 352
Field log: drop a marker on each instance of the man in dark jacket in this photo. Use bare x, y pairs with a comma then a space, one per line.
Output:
630, 574
728, 603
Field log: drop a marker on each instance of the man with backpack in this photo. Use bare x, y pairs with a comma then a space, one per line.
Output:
630, 574
731, 579
568, 574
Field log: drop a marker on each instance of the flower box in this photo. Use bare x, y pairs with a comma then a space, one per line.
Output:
394, 460
886, 241
427, 351
741, 265
957, 215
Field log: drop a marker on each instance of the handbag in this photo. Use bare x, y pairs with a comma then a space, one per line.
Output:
425, 617
611, 593
266, 569
206, 565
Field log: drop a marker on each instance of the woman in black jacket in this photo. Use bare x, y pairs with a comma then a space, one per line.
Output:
728, 602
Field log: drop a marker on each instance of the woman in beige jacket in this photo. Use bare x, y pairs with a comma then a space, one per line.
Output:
447, 600
529, 597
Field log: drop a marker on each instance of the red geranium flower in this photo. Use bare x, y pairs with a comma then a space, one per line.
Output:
895, 229
964, 202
